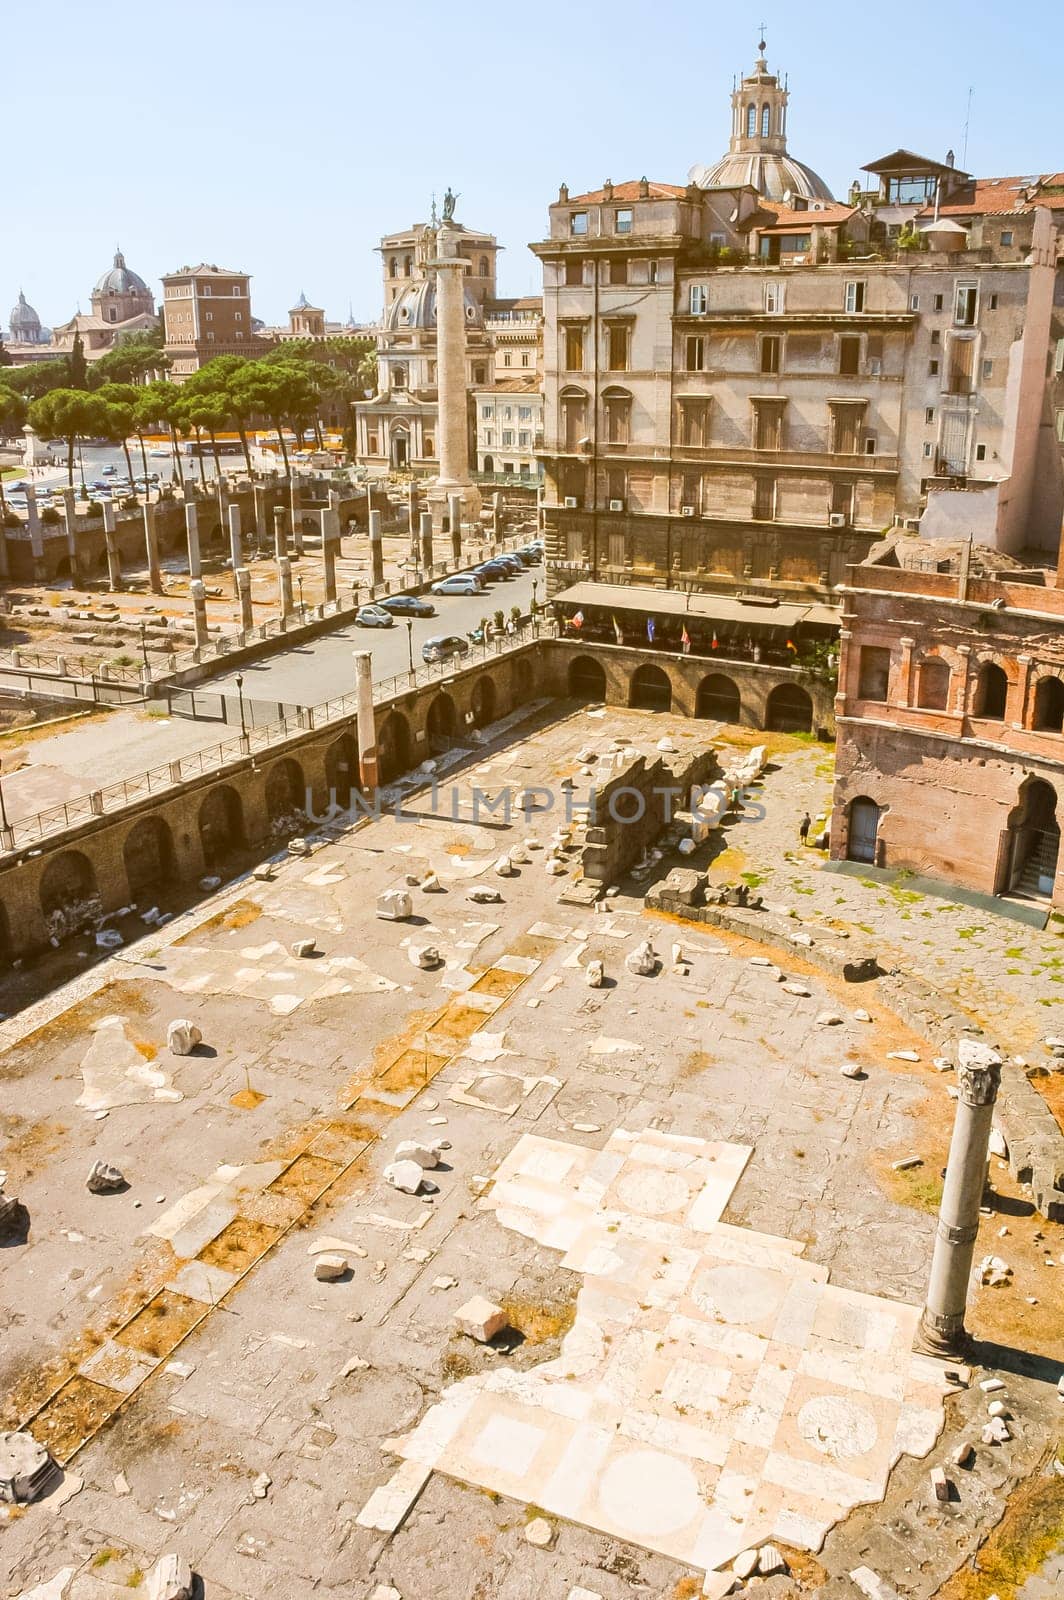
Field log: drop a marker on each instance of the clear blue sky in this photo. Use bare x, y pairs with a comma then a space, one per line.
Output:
284, 139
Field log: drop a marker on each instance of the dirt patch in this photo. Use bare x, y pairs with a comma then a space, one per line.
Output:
695, 1062
532, 946
27, 1145
305, 1179
541, 1321
162, 1324
1031, 1530
246, 1099
498, 982
456, 1024
73, 1415
239, 1245
341, 1141
125, 997
241, 914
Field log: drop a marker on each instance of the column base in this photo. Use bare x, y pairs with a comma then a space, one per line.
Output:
941, 1335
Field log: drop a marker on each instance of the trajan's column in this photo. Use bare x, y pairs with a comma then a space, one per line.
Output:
452, 432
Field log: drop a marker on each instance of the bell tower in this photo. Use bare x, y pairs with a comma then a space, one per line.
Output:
759, 111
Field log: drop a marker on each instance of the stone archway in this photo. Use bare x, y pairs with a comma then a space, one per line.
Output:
441, 722
286, 795
394, 746
341, 769
789, 710
862, 830
6, 953
718, 698
1033, 844
1049, 705
482, 702
524, 681
221, 825
69, 894
587, 679
650, 688
148, 853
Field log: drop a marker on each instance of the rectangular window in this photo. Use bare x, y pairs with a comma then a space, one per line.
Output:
695, 353
914, 302
932, 369
508, 414
694, 424
854, 298
574, 349
652, 271
208, 316
210, 337
618, 413
522, 440
936, 336
770, 352
938, 302
988, 369
846, 428
929, 414
1058, 360
993, 302
849, 356
698, 300
764, 498
980, 452
617, 342
964, 305
1060, 426
929, 448
1006, 236
622, 221
768, 425
524, 413
874, 672
961, 352
618, 270
524, 358
507, 438
238, 316
574, 273
578, 224
485, 411
507, 359
774, 298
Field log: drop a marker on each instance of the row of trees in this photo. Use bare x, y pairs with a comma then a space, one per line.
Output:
285, 388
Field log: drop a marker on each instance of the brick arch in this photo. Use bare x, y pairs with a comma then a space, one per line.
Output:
221, 825
991, 683
285, 794
1047, 702
650, 688
482, 701
148, 856
441, 721
395, 745
69, 893
587, 679
789, 709
341, 768
718, 697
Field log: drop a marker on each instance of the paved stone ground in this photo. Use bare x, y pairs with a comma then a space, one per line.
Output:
328, 1063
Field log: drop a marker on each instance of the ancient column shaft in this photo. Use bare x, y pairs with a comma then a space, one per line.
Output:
280, 533
367, 727
195, 566
454, 517
236, 550
243, 590
198, 591
376, 548
151, 544
978, 1077
284, 586
114, 559
426, 542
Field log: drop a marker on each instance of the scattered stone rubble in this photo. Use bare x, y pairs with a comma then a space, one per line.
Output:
395, 905
182, 1037
104, 1178
26, 1468
481, 1319
170, 1579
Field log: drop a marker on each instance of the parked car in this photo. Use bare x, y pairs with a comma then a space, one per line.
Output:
109, 472
511, 563
441, 647
459, 583
408, 605
529, 556
373, 617
493, 571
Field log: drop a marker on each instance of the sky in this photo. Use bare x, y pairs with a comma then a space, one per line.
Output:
283, 142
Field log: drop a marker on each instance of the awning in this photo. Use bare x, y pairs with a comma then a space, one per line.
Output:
752, 611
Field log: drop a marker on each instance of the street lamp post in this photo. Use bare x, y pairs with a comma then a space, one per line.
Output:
535, 612
240, 698
410, 643
299, 581
143, 643
3, 803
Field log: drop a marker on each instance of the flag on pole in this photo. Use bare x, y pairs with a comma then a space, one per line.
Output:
617, 634
576, 620
714, 645
685, 640
650, 629
792, 646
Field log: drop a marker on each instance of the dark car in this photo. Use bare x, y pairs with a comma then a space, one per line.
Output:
530, 555
512, 563
407, 605
443, 646
373, 617
493, 571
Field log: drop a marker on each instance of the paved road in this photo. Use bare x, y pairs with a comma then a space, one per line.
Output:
322, 668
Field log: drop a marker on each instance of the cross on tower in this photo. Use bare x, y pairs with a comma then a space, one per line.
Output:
762, 46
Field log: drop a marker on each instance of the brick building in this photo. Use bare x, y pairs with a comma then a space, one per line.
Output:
207, 313
950, 719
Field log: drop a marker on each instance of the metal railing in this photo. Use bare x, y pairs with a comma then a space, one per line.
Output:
32, 830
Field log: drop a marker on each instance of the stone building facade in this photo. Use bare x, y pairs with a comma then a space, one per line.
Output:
743, 387
207, 313
950, 720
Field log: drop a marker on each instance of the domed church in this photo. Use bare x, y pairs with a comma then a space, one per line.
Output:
757, 153
121, 294
25, 324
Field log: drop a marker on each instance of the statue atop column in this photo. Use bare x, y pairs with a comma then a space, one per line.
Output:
450, 200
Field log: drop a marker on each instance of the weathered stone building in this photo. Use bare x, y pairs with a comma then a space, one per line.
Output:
950, 719
207, 313
743, 385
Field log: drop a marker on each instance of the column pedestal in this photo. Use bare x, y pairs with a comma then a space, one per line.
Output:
197, 589
243, 591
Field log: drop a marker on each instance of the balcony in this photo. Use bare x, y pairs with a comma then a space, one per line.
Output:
784, 460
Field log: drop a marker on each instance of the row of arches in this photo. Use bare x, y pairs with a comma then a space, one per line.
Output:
989, 694
789, 708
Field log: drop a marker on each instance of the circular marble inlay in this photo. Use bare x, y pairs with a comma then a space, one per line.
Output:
646, 1492
653, 1192
837, 1427
738, 1294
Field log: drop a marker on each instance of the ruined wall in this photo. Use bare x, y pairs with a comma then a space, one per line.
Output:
633, 807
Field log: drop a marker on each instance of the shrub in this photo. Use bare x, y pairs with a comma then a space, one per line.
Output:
50, 516
499, 619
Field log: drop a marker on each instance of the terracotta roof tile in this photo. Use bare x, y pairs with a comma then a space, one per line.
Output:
999, 196
630, 191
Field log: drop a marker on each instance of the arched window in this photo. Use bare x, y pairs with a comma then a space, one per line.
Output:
991, 692
398, 376
1049, 705
617, 405
408, 266
766, 121
574, 417
485, 269
393, 267
751, 121
933, 686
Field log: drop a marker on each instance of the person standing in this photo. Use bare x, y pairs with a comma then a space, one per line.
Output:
804, 826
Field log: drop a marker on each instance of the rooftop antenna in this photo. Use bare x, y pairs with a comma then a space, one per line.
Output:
967, 120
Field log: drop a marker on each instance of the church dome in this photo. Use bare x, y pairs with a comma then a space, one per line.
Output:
416, 307
775, 177
120, 280
757, 152
25, 323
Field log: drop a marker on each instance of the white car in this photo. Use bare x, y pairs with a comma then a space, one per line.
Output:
459, 583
